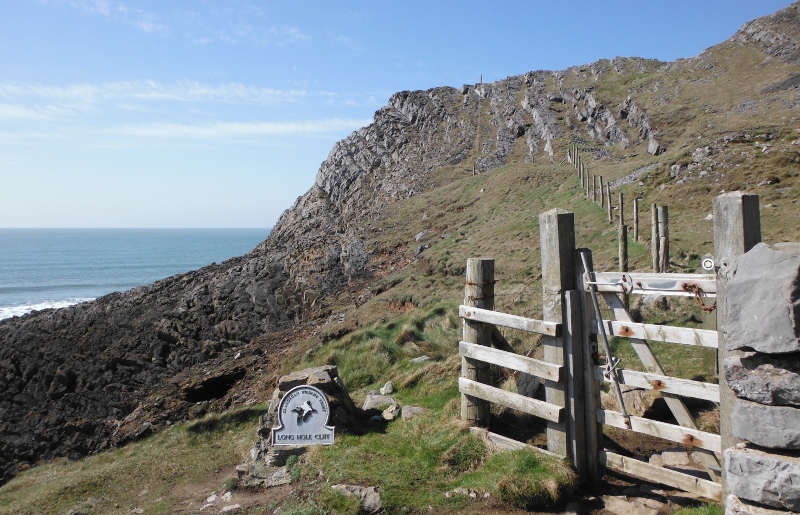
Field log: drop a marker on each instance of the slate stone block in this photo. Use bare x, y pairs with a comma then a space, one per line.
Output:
766, 379
776, 427
762, 300
763, 478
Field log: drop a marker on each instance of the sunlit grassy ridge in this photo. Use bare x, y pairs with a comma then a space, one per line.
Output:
143, 475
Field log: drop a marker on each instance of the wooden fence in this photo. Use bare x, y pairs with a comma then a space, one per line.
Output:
659, 215
572, 325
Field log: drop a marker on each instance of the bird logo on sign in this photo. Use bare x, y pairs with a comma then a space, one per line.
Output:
304, 412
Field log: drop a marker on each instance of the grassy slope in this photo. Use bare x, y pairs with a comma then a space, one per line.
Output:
409, 309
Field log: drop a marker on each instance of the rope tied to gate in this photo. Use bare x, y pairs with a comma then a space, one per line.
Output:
694, 288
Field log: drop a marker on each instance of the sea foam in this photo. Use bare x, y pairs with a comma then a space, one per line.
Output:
16, 311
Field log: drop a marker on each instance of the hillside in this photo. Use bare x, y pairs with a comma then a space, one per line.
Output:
395, 211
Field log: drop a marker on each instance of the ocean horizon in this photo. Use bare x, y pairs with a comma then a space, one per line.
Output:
54, 268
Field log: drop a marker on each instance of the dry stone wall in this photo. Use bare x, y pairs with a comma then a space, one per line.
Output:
763, 471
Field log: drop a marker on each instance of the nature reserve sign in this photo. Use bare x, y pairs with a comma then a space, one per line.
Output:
303, 416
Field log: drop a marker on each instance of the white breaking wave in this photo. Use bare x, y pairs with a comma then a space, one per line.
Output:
16, 311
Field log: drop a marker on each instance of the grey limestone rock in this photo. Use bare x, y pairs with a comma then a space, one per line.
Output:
766, 379
375, 401
763, 478
387, 389
762, 300
370, 497
776, 427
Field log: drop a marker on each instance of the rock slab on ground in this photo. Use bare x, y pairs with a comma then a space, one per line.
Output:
370, 497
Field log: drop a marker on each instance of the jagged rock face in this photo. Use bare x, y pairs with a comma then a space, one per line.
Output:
775, 35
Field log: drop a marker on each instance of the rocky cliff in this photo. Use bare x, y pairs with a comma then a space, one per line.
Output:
70, 378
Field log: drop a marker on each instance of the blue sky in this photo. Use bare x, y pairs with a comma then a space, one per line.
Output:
209, 113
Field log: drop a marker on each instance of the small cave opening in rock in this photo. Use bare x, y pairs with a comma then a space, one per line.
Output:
213, 387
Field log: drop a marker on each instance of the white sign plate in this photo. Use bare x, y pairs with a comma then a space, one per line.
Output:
303, 417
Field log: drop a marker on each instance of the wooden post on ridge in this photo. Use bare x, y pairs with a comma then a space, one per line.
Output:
602, 193
621, 208
663, 238
557, 241
737, 229
654, 240
586, 180
610, 207
478, 293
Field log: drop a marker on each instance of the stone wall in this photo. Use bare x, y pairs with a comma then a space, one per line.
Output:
763, 471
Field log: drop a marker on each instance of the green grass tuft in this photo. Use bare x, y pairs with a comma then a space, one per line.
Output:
705, 509
524, 479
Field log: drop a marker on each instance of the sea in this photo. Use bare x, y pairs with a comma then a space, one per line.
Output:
52, 268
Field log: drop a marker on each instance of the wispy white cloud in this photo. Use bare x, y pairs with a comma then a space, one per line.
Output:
242, 33
150, 90
37, 112
116, 11
226, 130
243, 24
19, 112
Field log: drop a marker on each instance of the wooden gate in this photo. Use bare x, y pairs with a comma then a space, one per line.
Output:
707, 447
573, 324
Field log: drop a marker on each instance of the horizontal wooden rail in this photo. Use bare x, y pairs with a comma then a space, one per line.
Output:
518, 402
510, 360
671, 432
661, 333
505, 443
513, 321
664, 384
656, 284
656, 474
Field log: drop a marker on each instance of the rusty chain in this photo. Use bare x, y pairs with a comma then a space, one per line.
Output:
694, 288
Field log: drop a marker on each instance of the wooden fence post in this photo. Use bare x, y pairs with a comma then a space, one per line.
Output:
574, 377
636, 219
663, 238
594, 188
621, 208
737, 229
478, 293
557, 241
623, 254
588, 184
610, 207
654, 240
593, 431
602, 193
